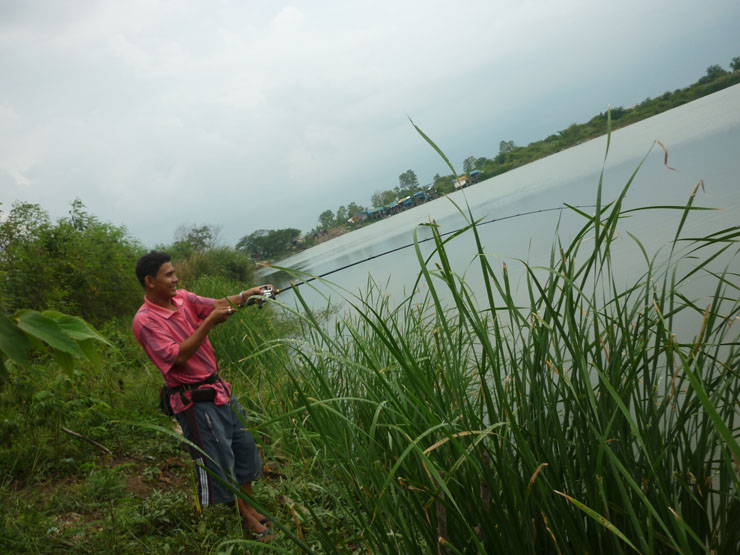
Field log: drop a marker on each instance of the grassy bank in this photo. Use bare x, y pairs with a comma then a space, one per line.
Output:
459, 421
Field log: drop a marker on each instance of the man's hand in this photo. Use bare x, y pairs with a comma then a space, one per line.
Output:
219, 314
256, 292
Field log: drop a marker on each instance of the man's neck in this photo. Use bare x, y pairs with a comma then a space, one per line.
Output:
164, 302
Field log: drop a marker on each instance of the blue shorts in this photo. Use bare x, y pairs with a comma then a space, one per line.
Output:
218, 431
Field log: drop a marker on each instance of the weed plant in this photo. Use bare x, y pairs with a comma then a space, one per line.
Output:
461, 421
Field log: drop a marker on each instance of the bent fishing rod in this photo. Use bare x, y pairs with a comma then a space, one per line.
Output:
268, 292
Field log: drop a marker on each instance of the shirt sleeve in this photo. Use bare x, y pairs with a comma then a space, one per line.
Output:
202, 306
157, 342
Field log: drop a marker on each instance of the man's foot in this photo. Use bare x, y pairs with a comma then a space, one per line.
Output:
258, 516
259, 531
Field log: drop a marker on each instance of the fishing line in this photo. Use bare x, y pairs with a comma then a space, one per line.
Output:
493, 220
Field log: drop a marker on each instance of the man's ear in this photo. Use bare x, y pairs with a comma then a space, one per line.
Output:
148, 281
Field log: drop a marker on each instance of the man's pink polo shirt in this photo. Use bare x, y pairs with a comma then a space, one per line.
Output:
160, 332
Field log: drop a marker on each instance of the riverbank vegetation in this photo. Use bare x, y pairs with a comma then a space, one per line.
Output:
579, 417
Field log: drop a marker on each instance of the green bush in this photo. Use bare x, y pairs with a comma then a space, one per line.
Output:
78, 265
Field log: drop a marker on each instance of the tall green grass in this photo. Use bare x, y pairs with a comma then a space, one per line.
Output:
462, 421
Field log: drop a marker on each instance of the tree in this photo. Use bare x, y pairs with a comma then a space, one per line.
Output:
713, 72
381, 198
191, 238
407, 181
79, 265
23, 222
505, 147
735, 63
326, 219
353, 209
268, 243
469, 164
342, 216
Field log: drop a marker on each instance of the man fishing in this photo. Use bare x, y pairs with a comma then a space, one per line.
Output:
172, 326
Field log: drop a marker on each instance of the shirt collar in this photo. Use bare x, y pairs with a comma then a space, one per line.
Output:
164, 312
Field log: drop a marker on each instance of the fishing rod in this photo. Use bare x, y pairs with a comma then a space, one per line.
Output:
269, 292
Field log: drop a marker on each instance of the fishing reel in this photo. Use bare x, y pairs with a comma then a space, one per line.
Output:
266, 292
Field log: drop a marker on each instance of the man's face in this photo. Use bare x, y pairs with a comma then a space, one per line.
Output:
164, 284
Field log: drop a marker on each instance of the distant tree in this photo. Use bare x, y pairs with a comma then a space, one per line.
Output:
441, 181
735, 63
353, 209
342, 216
326, 219
480, 162
407, 181
505, 147
268, 243
381, 198
191, 238
469, 164
24, 221
713, 72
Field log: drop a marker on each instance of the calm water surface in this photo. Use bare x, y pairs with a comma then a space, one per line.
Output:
703, 142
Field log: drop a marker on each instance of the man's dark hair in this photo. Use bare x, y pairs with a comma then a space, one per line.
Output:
149, 264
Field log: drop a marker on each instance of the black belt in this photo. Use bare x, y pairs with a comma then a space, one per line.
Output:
196, 397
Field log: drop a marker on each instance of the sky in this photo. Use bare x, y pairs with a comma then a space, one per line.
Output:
247, 115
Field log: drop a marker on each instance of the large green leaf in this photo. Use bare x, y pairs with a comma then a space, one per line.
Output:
66, 361
91, 353
75, 327
45, 328
13, 342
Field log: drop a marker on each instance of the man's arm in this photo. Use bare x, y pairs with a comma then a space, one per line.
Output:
242, 297
222, 309
192, 344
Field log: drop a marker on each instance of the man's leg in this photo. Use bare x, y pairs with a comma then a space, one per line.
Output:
248, 509
247, 467
253, 521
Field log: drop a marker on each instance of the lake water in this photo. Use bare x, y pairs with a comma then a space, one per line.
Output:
703, 143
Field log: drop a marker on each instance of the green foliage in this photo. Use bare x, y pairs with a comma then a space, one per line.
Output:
469, 164
268, 243
79, 265
341, 217
408, 181
193, 239
225, 262
326, 219
735, 64
29, 330
381, 198
353, 209
713, 72
505, 147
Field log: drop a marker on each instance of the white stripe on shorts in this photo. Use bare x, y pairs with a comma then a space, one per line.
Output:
203, 479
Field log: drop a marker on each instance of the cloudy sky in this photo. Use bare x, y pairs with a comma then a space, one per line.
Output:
250, 114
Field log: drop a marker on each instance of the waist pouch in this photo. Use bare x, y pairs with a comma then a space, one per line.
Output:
196, 395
